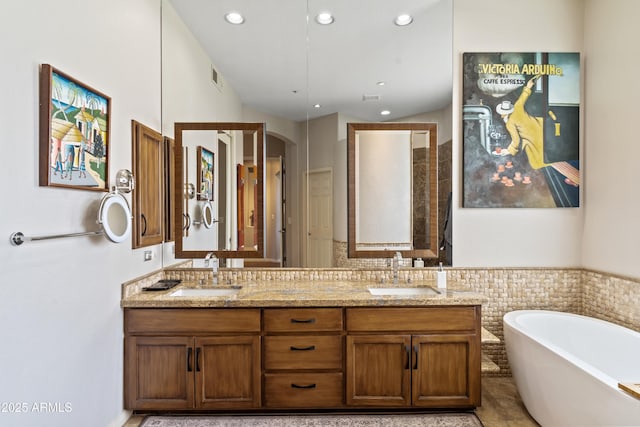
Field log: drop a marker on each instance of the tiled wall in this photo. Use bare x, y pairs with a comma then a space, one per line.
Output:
596, 294
612, 298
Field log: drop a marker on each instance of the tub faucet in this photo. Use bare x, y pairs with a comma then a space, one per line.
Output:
212, 260
395, 263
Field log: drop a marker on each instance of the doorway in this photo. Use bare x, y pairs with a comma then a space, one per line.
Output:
318, 217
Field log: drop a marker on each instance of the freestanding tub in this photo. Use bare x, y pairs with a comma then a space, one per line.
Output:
567, 368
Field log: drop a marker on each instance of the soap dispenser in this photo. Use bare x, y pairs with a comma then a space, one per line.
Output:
441, 278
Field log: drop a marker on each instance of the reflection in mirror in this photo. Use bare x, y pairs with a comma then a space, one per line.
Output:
207, 215
219, 184
276, 73
392, 174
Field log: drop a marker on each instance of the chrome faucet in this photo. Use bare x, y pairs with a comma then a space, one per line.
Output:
395, 264
212, 260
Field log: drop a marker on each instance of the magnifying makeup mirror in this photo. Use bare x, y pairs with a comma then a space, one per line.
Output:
207, 215
115, 217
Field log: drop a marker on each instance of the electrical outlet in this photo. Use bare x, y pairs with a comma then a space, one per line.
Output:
148, 255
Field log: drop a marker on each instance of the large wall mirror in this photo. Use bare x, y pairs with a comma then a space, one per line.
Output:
305, 81
218, 193
392, 174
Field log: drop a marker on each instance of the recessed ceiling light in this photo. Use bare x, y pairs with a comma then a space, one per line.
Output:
404, 19
380, 83
385, 112
316, 105
324, 18
234, 18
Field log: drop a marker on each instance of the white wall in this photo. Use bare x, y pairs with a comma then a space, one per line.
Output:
514, 237
60, 299
612, 202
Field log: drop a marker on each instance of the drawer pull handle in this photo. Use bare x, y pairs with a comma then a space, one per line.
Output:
303, 386
311, 347
303, 321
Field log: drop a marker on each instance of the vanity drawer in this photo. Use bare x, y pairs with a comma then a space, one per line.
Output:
413, 319
190, 320
303, 352
302, 319
303, 390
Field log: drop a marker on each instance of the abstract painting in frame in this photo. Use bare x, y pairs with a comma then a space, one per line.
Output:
205, 173
74, 133
521, 129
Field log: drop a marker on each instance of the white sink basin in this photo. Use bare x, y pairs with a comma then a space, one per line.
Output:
403, 291
205, 292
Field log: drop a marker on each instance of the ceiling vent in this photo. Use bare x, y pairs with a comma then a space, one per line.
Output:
366, 98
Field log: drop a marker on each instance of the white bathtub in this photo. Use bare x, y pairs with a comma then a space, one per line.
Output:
567, 368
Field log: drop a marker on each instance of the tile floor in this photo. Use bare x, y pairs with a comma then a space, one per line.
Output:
501, 406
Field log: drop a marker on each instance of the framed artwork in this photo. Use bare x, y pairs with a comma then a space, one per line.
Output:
205, 173
521, 128
74, 133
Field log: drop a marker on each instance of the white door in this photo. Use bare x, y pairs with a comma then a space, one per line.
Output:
319, 218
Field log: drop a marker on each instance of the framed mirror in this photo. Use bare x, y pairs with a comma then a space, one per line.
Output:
392, 190
218, 189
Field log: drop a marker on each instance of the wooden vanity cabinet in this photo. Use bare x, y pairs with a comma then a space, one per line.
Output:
413, 357
303, 358
192, 359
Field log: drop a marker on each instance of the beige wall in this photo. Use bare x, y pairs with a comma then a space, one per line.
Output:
602, 234
513, 237
612, 205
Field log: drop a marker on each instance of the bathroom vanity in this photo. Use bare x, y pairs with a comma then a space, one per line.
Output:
301, 345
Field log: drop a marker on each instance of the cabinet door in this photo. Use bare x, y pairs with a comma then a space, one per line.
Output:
445, 371
378, 370
227, 372
148, 194
158, 373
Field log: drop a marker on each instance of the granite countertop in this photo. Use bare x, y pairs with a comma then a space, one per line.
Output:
298, 294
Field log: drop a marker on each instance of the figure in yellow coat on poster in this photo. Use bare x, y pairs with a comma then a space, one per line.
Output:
526, 133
